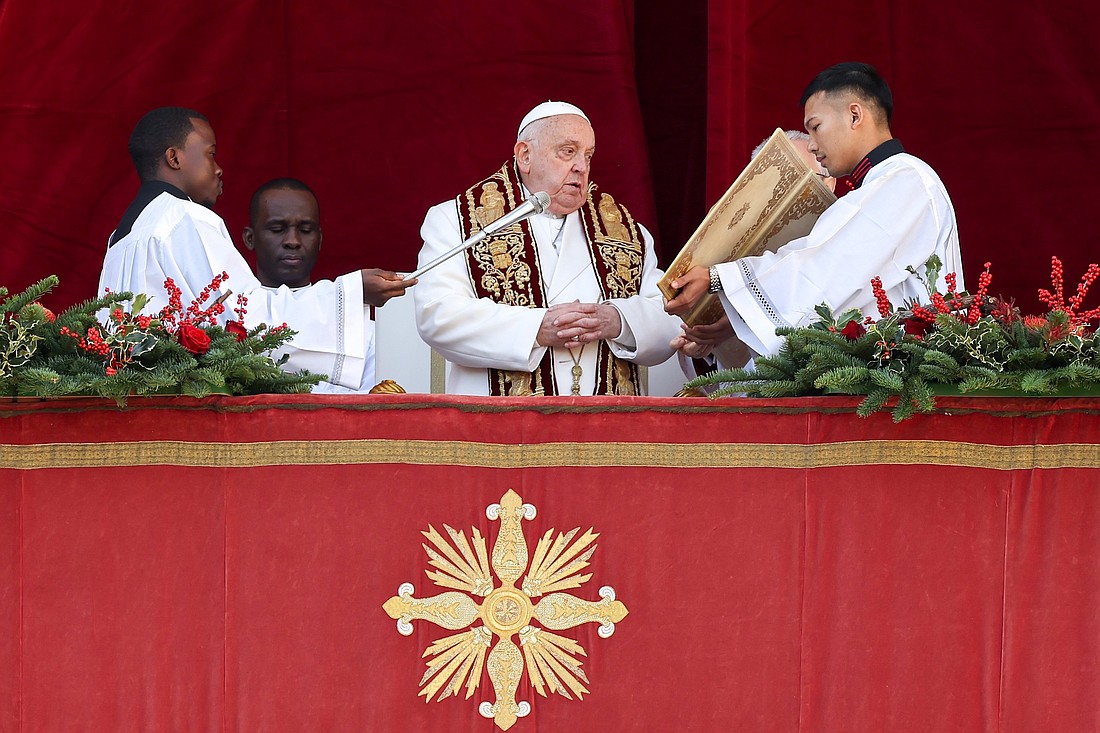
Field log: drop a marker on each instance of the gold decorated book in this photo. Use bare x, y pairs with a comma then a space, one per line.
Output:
776, 199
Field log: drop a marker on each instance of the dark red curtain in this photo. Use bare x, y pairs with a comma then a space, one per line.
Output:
1000, 98
387, 108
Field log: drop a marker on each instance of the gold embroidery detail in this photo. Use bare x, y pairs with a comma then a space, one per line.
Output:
502, 260
612, 219
558, 453
738, 216
518, 383
624, 268
551, 661
623, 378
492, 205
504, 273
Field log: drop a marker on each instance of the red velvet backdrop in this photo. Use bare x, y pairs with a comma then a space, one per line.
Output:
1000, 98
384, 108
388, 108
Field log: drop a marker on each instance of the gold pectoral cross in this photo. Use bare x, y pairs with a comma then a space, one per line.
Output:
577, 370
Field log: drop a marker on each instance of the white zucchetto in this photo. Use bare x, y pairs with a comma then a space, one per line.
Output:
550, 109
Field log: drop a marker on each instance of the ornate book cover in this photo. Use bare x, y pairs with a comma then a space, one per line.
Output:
776, 199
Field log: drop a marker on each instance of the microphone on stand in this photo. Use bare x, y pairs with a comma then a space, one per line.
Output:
536, 204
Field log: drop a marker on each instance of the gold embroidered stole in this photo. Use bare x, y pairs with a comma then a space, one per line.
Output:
505, 268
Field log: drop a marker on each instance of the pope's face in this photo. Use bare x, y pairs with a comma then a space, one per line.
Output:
200, 174
286, 237
833, 140
559, 162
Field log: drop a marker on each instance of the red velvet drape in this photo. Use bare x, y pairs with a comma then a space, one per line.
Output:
384, 108
998, 97
388, 108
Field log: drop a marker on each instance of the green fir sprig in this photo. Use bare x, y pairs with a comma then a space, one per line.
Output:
82, 351
973, 342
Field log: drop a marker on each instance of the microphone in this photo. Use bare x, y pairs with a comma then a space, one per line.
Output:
536, 204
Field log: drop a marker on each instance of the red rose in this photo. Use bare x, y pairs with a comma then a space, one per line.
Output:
193, 339
853, 330
237, 329
915, 327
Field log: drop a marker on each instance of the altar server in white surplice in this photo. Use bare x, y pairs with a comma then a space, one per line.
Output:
169, 231
284, 232
563, 303
897, 216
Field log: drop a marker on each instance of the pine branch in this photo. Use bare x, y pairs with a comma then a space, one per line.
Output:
875, 401
17, 302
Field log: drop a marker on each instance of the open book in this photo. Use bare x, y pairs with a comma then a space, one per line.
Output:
777, 198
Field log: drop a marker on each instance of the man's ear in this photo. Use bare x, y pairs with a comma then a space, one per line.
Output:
320, 239
249, 242
856, 112
172, 158
523, 156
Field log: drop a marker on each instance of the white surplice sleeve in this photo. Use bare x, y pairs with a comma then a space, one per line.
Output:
898, 218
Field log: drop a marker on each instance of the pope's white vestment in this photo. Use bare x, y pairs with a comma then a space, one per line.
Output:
179, 239
475, 334
897, 218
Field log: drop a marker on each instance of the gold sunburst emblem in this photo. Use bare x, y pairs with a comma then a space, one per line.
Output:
551, 660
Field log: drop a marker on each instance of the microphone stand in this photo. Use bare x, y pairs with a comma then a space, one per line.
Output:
538, 202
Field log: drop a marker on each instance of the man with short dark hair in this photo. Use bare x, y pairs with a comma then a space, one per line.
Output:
169, 231
284, 230
898, 215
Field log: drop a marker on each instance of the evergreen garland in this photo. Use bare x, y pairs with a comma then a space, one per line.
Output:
973, 342
77, 353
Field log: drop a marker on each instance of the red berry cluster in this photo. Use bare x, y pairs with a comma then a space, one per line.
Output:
921, 313
1078, 317
1055, 300
93, 343
196, 315
884, 306
173, 316
168, 313
975, 310
1083, 287
241, 309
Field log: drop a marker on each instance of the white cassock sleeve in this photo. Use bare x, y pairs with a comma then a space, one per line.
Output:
178, 239
899, 217
479, 333
465, 329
